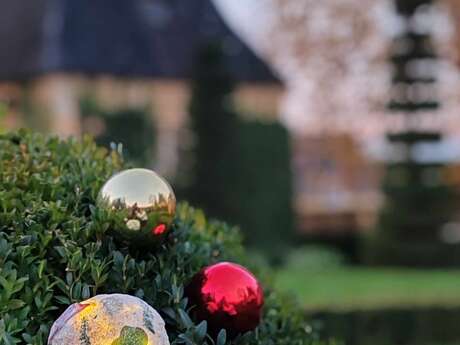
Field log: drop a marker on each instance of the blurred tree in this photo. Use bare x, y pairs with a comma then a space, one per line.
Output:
213, 122
3, 110
264, 190
240, 170
418, 201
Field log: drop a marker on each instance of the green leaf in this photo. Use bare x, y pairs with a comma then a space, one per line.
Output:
201, 330
221, 337
16, 304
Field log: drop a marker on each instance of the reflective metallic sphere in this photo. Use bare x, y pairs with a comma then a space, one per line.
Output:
109, 320
141, 204
227, 296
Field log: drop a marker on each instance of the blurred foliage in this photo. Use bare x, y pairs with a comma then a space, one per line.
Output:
130, 127
57, 248
240, 169
419, 326
3, 110
314, 258
380, 250
213, 122
418, 202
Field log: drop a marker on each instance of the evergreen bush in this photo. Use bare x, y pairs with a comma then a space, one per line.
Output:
264, 183
56, 248
213, 122
246, 164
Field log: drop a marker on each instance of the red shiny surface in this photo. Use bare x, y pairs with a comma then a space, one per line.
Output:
159, 229
228, 296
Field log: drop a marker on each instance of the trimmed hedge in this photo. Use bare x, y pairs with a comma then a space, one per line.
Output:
246, 164
130, 126
264, 184
56, 248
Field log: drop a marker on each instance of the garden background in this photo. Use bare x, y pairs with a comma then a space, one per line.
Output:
328, 132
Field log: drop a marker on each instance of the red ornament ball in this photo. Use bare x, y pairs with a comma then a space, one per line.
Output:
159, 229
228, 297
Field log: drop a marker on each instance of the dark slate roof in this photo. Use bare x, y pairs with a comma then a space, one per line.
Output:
145, 38
20, 37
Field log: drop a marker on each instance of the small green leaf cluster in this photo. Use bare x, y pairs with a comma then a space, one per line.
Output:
57, 248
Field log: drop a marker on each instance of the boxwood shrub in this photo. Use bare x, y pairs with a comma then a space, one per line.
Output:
56, 248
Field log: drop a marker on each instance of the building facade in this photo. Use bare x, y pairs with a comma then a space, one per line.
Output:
135, 54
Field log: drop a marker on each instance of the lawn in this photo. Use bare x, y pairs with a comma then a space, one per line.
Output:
345, 288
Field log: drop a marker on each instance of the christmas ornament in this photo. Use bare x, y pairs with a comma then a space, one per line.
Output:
141, 204
227, 296
109, 320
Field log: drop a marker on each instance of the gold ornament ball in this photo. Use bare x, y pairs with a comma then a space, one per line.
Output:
141, 205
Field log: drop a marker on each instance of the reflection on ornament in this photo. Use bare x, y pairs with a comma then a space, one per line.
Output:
159, 229
141, 204
227, 296
109, 320
133, 224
